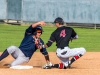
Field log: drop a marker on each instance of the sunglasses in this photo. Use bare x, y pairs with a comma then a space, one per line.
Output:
39, 32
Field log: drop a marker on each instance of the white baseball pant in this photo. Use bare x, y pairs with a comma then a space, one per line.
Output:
66, 53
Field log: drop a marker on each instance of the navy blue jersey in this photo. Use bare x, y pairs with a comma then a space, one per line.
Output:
27, 45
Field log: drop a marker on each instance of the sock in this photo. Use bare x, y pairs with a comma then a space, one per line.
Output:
60, 66
55, 66
75, 58
4, 54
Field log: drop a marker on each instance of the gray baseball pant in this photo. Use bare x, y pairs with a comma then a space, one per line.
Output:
18, 55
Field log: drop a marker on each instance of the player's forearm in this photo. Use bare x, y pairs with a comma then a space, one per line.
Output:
47, 58
76, 37
38, 23
48, 44
35, 24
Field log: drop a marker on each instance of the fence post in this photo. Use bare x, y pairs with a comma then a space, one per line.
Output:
7, 11
22, 13
94, 26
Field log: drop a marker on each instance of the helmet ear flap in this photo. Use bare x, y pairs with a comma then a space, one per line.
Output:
34, 33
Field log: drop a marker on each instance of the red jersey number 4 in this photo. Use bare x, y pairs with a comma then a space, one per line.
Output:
63, 34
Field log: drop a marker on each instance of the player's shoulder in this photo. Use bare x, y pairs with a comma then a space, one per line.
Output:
64, 27
54, 32
67, 27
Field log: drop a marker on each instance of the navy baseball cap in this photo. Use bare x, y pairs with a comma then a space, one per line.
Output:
58, 20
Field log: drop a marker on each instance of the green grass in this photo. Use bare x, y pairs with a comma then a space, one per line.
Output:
88, 38
13, 35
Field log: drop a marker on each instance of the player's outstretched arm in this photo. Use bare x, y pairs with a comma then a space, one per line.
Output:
47, 58
48, 64
42, 23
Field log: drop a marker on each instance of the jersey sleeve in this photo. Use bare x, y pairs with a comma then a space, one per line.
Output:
73, 33
29, 29
43, 50
51, 40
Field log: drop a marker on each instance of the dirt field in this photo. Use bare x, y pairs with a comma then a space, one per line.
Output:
89, 64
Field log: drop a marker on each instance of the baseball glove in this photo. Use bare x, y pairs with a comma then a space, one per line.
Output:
47, 66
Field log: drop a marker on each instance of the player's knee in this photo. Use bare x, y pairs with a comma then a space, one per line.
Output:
11, 49
83, 50
58, 55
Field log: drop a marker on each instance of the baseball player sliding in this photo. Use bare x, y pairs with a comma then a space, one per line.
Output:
62, 35
30, 43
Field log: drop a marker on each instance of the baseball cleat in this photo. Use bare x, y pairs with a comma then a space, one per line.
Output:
69, 65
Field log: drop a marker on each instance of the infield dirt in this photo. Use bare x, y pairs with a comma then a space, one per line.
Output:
89, 64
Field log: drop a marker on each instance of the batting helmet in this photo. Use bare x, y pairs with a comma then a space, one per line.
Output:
37, 28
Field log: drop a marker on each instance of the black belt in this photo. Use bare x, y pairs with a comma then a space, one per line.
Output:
63, 47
